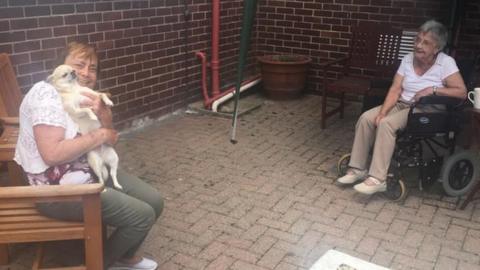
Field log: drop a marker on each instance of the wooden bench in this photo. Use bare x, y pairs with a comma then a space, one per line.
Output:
20, 221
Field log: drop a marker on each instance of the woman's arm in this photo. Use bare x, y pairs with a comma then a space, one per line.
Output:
55, 149
392, 97
454, 87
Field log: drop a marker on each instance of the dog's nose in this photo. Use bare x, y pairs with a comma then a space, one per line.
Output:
73, 74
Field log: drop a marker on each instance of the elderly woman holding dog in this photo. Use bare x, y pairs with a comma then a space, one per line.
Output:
51, 151
425, 71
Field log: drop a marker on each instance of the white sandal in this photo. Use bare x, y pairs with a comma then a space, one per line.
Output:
379, 186
352, 176
144, 264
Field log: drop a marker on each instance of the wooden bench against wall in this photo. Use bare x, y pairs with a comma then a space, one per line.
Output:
20, 221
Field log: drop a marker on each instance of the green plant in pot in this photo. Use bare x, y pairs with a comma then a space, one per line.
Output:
284, 76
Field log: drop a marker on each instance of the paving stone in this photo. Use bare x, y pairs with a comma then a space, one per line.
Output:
428, 251
212, 251
455, 232
272, 258
368, 246
472, 245
413, 262
220, 263
445, 263
413, 238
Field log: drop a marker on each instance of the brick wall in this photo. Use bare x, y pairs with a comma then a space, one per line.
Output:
320, 29
142, 43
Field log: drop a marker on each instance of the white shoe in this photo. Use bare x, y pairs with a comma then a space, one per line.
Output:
144, 264
352, 176
378, 186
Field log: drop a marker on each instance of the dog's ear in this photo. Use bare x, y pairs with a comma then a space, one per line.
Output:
50, 78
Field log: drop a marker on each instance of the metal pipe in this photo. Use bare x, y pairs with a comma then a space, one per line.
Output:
231, 92
203, 59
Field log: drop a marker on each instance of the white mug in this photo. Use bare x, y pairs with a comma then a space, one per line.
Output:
476, 97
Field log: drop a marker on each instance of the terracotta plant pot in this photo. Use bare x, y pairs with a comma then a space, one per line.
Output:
284, 76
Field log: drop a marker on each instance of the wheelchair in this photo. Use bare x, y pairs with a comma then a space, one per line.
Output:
428, 143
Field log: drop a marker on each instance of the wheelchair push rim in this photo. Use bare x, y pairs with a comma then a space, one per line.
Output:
342, 164
459, 173
396, 190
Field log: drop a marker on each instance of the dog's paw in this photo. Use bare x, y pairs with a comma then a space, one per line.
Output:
107, 101
118, 186
93, 116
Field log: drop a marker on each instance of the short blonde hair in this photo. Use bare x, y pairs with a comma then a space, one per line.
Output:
83, 50
80, 49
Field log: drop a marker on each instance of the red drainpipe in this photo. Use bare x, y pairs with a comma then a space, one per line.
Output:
214, 63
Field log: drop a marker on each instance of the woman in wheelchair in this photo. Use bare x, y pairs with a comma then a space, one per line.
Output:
425, 71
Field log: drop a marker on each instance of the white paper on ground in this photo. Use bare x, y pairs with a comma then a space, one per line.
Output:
333, 259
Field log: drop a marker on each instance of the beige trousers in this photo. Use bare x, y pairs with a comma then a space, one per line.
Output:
381, 138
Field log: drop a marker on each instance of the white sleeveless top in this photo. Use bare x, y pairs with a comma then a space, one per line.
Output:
443, 67
41, 105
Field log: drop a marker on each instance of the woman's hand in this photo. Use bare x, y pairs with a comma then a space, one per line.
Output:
379, 118
103, 112
110, 136
422, 93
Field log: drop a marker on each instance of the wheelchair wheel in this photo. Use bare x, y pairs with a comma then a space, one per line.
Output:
342, 164
459, 173
396, 190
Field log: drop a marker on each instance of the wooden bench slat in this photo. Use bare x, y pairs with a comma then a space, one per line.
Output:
68, 268
17, 212
16, 205
38, 225
40, 235
26, 218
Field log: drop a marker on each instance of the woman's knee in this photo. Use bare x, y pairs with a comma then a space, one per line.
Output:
157, 203
366, 119
386, 127
146, 217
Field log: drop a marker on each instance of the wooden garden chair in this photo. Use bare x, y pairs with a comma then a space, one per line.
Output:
372, 54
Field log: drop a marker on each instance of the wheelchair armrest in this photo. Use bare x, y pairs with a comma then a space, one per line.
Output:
450, 102
442, 119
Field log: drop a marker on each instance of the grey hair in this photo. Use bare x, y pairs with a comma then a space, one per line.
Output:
438, 30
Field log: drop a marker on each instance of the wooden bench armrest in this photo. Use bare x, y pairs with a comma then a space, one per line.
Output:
9, 121
45, 191
335, 61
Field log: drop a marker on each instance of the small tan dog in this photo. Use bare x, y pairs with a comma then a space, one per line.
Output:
64, 80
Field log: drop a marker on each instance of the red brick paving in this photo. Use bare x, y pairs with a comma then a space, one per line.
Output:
269, 202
